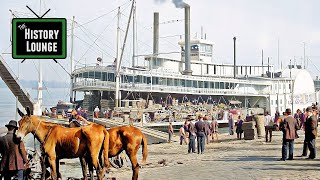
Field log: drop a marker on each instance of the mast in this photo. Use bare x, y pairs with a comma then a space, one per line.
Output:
134, 35
72, 61
119, 58
117, 61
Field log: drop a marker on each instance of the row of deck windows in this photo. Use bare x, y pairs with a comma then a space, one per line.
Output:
104, 76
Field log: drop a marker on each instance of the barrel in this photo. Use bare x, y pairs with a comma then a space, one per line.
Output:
260, 125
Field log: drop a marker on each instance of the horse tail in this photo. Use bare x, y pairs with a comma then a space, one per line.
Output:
144, 149
106, 150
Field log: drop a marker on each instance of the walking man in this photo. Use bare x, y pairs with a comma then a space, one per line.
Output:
183, 134
190, 128
207, 128
170, 132
200, 126
230, 123
310, 132
289, 128
268, 125
14, 158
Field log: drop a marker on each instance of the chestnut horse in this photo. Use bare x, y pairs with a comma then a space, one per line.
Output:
129, 139
59, 142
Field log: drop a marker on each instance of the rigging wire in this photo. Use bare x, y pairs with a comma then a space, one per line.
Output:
97, 44
101, 15
95, 40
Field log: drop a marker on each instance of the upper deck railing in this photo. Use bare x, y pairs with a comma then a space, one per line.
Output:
110, 86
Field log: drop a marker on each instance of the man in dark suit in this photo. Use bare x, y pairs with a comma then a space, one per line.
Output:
289, 128
190, 128
200, 126
14, 158
311, 131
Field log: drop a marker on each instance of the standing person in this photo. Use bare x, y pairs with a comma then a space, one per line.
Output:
230, 123
170, 132
96, 112
268, 126
289, 128
310, 133
183, 134
214, 128
207, 127
14, 156
302, 118
276, 121
239, 130
190, 128
200, 126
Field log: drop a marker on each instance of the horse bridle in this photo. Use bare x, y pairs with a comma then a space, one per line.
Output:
45, 139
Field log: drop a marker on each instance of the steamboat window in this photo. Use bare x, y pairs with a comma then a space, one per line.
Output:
206, 84
212, 85
176, 82
195, 84
155, 80
111, 77
148, 80
188, 83
214, 69
200, 84
130, 79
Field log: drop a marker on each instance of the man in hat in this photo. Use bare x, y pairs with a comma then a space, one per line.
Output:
289, 128
190, 128
201, 129
310, 133
14, 158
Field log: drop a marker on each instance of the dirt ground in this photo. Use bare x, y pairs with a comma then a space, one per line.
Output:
227, 159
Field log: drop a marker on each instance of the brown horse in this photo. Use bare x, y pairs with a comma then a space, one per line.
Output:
129, 139
59, 142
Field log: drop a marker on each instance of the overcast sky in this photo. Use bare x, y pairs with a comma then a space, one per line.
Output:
257, 24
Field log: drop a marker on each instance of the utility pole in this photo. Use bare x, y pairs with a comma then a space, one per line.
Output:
291, 88
304, 54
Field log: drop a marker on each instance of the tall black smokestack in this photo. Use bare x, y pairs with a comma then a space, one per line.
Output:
155, 33
187, 63
234, 58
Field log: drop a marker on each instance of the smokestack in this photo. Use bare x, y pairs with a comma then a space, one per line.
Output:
187, 70
234, 58
155, 33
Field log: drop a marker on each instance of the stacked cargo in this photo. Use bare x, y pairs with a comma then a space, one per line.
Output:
249, 130
106, 104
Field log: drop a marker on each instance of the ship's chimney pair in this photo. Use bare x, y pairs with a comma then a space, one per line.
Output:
187, 48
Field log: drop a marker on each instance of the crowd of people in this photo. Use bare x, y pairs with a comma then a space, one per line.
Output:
196, 134
199, 131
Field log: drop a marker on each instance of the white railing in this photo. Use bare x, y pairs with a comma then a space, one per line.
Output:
168, 74
105, 85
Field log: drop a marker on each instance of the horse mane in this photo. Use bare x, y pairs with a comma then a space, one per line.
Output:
44, 120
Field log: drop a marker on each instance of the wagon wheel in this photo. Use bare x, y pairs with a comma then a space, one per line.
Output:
119, 161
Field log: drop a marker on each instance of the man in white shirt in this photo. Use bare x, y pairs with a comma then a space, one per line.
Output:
268, 125
96, 112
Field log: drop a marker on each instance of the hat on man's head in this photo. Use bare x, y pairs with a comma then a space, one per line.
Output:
288, 111
309, 109
12, 123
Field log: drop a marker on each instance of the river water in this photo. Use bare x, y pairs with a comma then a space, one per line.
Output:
51, 96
